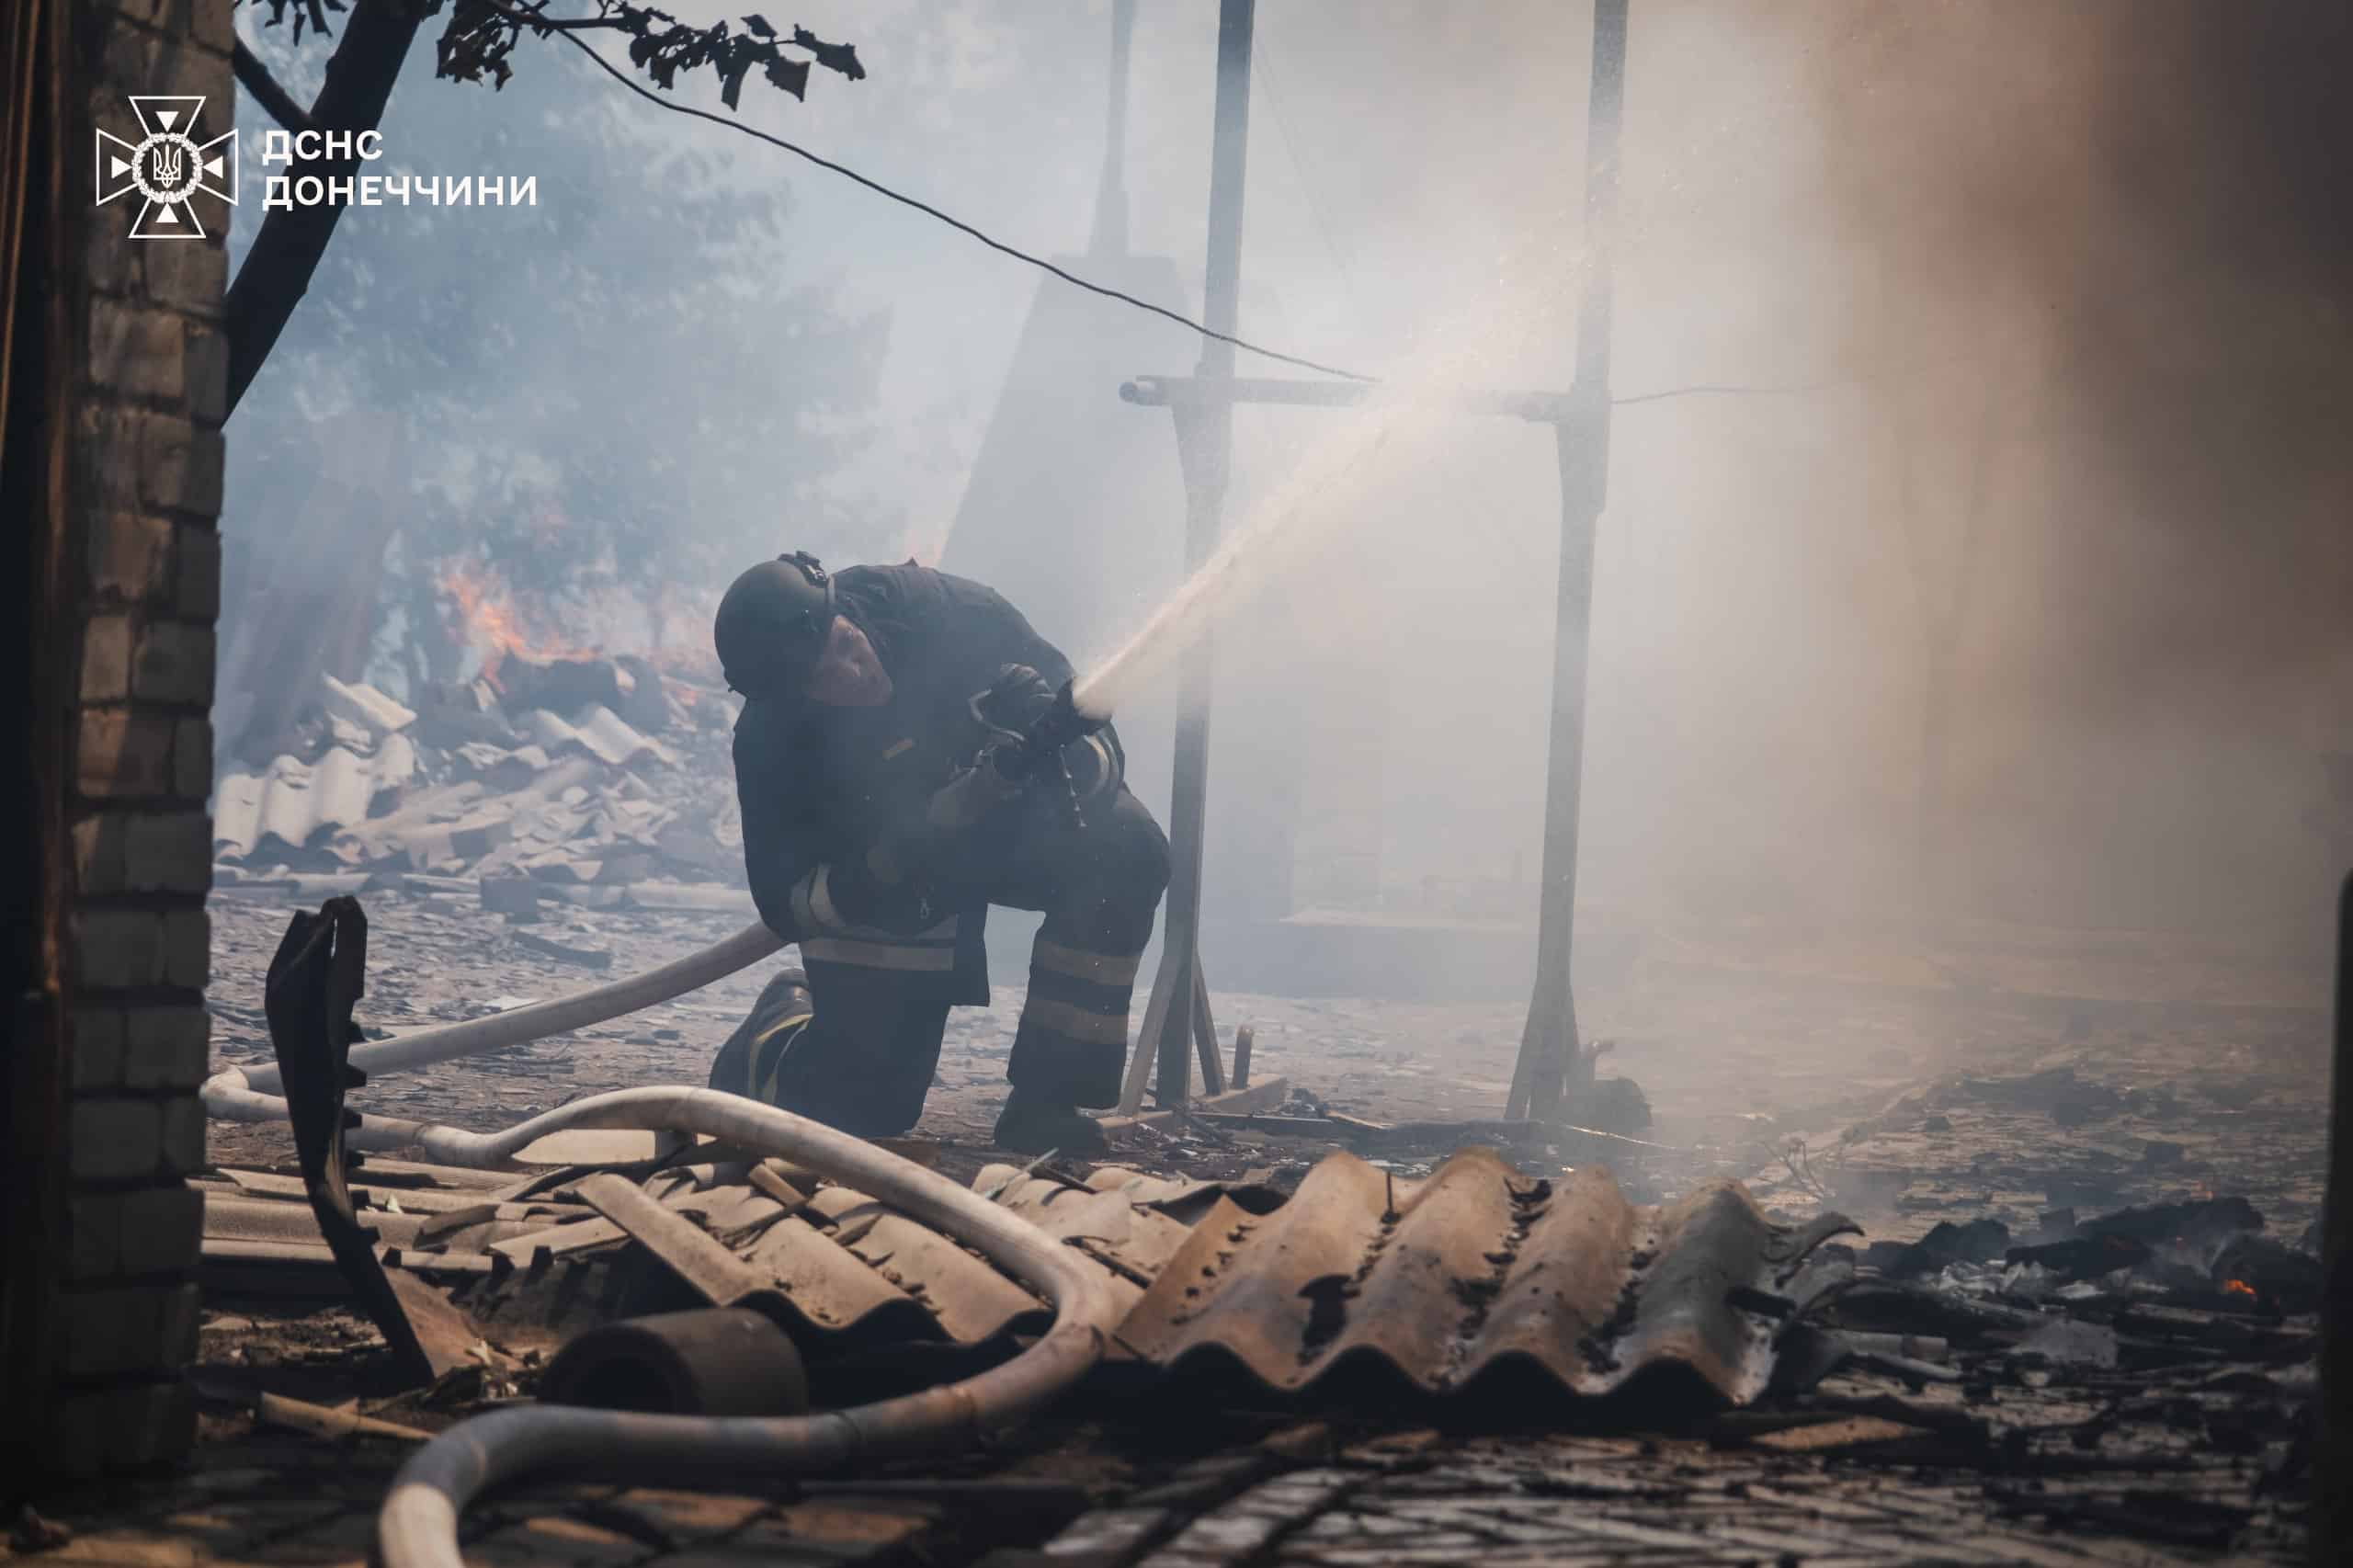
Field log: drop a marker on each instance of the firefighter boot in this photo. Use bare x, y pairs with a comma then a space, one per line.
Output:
748, 1063
1033, 1126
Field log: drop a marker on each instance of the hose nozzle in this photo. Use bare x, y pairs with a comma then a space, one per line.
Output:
1059, 725
1040, 749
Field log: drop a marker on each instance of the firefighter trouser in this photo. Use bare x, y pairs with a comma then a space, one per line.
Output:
866, 1070
864, 1061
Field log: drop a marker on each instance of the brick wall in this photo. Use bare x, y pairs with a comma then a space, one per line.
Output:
144, 473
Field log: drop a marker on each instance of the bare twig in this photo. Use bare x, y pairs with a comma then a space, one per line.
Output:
1800, 1160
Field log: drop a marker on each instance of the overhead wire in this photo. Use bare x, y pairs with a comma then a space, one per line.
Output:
923, 207
571, 36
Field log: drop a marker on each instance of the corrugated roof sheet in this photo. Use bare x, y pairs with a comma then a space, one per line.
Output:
295, 805
364, 705
1475, 1272
600, 733
1477, 1275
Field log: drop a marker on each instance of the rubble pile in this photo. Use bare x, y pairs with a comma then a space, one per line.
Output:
1889, 1414
574, 779
1215, 1279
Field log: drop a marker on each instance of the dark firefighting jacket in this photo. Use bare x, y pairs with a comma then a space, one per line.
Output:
819, 786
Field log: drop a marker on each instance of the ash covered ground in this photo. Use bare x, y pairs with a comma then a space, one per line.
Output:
1814, 1076
1990, 1409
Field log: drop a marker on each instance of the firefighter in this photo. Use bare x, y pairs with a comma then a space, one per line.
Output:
887, 803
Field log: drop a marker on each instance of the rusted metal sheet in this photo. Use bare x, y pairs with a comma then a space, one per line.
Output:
371, 1194
835, 1289
967, 1296
1474, 1276
1479, 1273
401, 1219
268, 1220
560, 1241
1144, 1188
1568, 1274
718, 1275
1183, 1199
1130, 1239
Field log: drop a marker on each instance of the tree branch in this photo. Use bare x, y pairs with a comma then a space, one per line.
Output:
276, 100
376, 40
276, 271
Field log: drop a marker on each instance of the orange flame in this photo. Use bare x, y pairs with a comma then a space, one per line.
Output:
2240, 1288
488, 615
486, 612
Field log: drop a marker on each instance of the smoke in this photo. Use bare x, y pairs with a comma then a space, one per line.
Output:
2013, 585
2104, 261
2157, 199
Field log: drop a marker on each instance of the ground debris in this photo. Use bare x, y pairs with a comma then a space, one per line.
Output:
2145, 1515
586, 957
2204, 1398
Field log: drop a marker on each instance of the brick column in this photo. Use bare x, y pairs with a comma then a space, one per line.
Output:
144, 475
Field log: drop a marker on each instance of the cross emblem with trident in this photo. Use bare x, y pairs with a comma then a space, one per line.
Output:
167, 167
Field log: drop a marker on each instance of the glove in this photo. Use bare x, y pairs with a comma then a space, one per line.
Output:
912, 853
1017, 700
959, 805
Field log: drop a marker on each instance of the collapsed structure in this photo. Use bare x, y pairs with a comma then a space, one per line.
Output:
620, 1276
572, 777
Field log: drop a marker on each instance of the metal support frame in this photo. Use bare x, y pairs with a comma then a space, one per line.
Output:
1177, 1021
1554, 1068
1550, 1067
1110, 236
1190, 399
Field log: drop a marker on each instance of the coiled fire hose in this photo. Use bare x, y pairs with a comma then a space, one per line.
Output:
418, 1527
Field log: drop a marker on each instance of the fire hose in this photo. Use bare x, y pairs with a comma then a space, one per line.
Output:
418, 1527
447, 1042
241, 1094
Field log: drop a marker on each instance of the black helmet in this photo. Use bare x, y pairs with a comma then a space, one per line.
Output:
773, 623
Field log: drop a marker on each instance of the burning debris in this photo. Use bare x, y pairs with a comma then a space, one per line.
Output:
2212, 1254
555, 766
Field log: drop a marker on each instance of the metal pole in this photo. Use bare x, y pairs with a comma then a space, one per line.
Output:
1178, 1010
1550, 1055
2331, 1521
1110, 237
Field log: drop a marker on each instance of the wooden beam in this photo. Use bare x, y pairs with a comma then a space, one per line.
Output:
1258, 1096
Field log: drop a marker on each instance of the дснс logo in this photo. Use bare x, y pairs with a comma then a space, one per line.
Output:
167, 167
